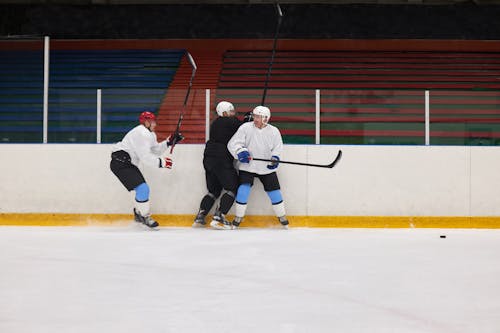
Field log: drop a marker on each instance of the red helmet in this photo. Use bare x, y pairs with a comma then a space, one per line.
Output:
146, 115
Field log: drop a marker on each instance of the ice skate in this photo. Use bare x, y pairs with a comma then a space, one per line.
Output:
146, 220
137, 216
236, 222
199, 220
284, 222
219, 222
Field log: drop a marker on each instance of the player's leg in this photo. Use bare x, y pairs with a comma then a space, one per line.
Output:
206, 204
228, 177
142, 212
219, 219
272, 188
244, 189
131, 177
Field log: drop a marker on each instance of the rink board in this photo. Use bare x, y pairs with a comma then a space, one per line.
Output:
372, 186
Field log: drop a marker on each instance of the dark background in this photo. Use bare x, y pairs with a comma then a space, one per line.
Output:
464, 20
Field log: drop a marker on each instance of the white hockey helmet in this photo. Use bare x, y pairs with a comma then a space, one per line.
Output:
262, 111
224, 107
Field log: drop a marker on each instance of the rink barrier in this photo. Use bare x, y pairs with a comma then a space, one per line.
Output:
373, 186
462, 222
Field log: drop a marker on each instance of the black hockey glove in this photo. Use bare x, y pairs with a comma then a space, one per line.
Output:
248, 117
174, 139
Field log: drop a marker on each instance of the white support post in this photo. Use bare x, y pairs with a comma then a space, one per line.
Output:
46, 52
207, 114
318, 124
427, 119
99, 113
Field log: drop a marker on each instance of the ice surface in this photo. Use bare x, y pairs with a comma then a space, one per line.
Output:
124, 279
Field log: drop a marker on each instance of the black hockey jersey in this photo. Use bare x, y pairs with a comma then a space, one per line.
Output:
221, 131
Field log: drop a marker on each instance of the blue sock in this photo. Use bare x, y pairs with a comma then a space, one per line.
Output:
142, 192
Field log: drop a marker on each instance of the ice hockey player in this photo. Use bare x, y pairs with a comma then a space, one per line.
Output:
220, 175
140, 145
262, 140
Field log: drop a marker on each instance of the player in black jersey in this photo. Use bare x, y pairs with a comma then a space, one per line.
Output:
220, 174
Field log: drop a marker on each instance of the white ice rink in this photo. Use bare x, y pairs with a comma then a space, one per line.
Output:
124, 279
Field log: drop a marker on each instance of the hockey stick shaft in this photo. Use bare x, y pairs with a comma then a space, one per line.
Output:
268, 75
331, 165
181, 115
193, 72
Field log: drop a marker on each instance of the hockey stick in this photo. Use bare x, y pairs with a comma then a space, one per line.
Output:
331, 165
268, 76
181, 114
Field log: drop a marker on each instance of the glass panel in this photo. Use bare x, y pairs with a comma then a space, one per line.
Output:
193, 122
292, 110
136, 80
386, 117
121, 109
464, 117
21, 91
131, 81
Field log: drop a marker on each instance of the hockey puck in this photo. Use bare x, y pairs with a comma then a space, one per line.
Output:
442, 236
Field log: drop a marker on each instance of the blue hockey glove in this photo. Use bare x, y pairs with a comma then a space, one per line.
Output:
274, 164
244, 156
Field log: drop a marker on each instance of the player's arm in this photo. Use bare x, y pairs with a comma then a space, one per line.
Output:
277, 143
159, 148
144, 150
276, 150
237, 146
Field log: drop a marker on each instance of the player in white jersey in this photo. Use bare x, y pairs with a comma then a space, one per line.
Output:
262, 140
140, 145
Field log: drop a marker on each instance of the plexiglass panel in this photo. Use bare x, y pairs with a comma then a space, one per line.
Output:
21, 91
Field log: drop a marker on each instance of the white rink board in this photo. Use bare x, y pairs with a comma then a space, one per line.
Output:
368, 181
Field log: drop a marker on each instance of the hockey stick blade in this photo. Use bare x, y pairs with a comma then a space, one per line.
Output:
331, 165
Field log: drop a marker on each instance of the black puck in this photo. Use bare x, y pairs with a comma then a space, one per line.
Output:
442, 236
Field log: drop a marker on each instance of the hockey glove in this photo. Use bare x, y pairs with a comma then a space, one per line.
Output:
166, 162
244, 156
248, 117
174, 138
274, 164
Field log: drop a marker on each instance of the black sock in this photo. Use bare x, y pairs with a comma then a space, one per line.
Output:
226, 201
206, 203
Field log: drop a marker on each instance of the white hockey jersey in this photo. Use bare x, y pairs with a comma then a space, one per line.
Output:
142, 146
261, 143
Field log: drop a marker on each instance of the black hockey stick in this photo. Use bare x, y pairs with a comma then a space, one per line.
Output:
181, 114
268, 76
331, 165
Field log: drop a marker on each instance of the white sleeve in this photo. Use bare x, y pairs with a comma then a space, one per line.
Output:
237, 142
278, 144
160, 148
143, 148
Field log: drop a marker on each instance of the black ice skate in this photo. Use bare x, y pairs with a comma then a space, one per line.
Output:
199, 220
219, 222
283, 221
146, 220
